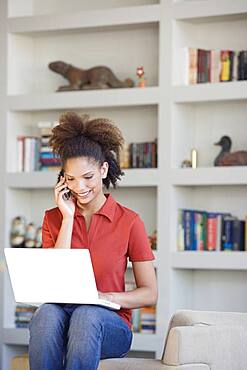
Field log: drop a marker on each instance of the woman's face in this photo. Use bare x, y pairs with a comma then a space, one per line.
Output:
84, 178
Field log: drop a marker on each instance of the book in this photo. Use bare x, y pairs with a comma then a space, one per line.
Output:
238, 235
227, 233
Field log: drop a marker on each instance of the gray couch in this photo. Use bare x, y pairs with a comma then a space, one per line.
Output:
196, 340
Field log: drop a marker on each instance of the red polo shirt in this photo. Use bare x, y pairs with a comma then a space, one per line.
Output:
115, 234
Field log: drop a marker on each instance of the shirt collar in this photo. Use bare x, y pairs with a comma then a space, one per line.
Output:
107, 210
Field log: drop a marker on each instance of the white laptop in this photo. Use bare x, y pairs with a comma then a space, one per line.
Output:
53, 276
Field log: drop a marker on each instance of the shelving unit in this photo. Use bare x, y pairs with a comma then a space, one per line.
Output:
84, 99
209, 176
210, 92
34, 35
181, 117
126, 16
199, 115
208, 11
18, 337
47, 179
232, 261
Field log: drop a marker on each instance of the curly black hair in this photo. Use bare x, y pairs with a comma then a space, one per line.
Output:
98, 139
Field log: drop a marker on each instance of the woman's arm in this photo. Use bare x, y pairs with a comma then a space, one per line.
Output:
67, 208
146, 292
65, 234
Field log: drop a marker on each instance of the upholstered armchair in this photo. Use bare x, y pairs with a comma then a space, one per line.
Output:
196, 340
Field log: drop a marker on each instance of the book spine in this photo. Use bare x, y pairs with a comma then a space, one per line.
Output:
27, 154
225, 65
199, 231
215, 66
238, 235
211, 231
189, 238
20, 153
219, 232
227, 236
192, 66
180, 231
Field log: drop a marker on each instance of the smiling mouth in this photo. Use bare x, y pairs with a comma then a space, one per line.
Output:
83, 195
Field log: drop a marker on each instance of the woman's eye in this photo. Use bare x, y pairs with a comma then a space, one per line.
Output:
69, 179
88, 177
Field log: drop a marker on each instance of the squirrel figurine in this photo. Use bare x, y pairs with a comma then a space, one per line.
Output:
99, 77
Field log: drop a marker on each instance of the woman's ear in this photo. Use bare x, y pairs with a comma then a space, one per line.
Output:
104, 169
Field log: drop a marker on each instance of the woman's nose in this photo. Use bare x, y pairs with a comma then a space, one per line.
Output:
79, 186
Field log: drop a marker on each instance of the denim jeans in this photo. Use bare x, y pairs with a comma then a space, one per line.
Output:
76, 337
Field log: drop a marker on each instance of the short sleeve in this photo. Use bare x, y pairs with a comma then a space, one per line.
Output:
139, 247
47, 241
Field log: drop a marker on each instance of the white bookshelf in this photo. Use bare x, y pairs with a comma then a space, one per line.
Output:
20, 337
208, 11
13, 336
84, 99
209, 92
209, 176
145, 342
155, 262
209, 260
34, 35
181, 117
123, 16
47, 179
199, 115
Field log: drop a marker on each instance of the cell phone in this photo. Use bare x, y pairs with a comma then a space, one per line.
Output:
66, 196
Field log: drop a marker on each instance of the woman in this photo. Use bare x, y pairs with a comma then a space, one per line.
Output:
70, 336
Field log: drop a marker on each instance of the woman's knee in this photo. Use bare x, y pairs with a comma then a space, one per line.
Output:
48, 318
87, 315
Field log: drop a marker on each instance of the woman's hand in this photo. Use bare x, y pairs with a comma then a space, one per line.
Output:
106, 296
67, 207
145, 293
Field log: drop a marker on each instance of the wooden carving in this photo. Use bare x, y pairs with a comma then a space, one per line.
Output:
99, 77
227, 158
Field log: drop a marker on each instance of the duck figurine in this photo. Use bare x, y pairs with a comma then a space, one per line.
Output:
226, 158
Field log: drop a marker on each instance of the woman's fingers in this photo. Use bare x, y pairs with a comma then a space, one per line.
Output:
61, 187
60, 182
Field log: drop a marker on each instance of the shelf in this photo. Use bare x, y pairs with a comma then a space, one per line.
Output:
47, 179
145, 342
141, 342
154, 262
136, 15
84, 99
209, 260
210, 92
16, 336
209, 176
210, 10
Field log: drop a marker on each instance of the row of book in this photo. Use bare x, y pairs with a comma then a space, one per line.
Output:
47, 159
28, 149
214, 65
144, 320
35, 154
210, 231
23, 315
139, 155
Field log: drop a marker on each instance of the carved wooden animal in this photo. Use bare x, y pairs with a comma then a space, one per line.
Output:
226, 158
99, 77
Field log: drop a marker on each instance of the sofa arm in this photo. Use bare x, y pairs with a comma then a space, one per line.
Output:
220, 347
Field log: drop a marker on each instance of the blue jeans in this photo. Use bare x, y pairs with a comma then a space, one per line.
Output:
76, 337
